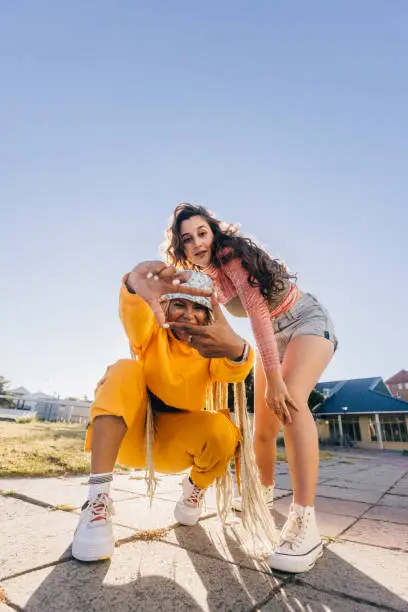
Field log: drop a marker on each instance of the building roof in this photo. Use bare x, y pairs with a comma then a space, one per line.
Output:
358, 396
400, 377
19, 391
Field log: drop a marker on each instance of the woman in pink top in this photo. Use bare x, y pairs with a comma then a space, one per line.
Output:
295, 341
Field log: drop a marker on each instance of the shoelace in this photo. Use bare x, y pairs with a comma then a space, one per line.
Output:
196, 495
291, 533
268, 493
100, 508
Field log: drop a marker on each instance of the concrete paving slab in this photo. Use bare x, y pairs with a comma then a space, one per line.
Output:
356, 485
282, 468
399, 490
138, 514
388, 513
340, 506
370, 497
379, 533
32, 536
136, 484
55, 491
282, 481
338, 471
278, 493
397, 501
332, 525
366, 572
144, 576
210, 496
301, 598
230, 542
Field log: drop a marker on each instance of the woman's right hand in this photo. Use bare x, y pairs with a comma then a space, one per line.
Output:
151, 279
278, 398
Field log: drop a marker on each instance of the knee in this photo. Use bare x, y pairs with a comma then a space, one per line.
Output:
121, 390
266, 430
121, 372
223, 435
265, 435
128, 368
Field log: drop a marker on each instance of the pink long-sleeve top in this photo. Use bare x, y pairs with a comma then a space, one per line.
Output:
231, 282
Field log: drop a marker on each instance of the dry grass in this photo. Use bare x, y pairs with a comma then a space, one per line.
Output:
3, 596
42, 449
147, 535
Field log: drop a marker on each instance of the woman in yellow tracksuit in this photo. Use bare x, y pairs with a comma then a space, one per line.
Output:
173, 377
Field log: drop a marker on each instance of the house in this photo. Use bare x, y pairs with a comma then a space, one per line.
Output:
47, 407
24, 400
398, 385
364, 412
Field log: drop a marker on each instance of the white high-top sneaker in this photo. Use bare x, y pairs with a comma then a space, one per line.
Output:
268, 496
188, 508
94, 539
300, 543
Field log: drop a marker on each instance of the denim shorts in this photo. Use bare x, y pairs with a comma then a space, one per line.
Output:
306, 318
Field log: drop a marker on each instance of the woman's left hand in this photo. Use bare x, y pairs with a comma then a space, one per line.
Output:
278, 398
150, 279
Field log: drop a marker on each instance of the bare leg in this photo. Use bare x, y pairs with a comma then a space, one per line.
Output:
305, 359
107, 434
266, 429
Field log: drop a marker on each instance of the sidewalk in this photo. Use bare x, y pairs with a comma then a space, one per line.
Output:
362, 507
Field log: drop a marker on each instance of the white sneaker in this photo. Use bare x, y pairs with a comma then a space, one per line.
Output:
300, 542
188, 508
94, 539
268, 496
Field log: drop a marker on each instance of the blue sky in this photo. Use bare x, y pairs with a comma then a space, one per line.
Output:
287, 116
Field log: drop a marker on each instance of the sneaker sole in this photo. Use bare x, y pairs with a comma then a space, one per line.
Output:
185, 520
299, 568
85, 553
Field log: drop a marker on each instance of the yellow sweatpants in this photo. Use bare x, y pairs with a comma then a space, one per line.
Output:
203, 440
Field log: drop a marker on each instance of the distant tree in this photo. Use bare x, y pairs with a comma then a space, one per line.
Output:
249, 387
315, 398
5, 402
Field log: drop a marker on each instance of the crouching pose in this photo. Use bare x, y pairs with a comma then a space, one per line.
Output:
149, 410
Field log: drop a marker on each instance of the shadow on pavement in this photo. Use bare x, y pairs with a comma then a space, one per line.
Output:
231, 583
80, 588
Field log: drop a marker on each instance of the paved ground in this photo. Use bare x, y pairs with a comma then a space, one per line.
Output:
362, 508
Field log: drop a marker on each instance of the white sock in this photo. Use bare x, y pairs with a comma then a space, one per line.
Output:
99, 483
300, 510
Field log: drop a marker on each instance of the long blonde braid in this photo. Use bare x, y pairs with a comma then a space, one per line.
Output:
256, 516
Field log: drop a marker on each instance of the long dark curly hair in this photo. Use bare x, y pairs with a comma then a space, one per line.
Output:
265, 272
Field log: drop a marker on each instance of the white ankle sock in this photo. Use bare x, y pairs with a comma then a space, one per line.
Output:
99, 483
300, 510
